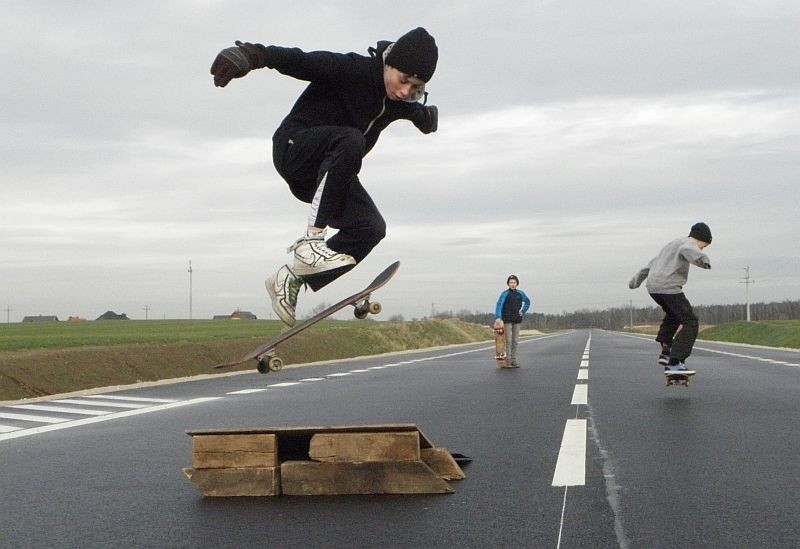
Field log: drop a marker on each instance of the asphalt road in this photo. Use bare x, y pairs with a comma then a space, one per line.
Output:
583, 446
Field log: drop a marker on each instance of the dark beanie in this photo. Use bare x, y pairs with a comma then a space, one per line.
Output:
415, 53
700, 231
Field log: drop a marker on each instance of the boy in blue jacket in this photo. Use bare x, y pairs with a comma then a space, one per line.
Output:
319, 146
512, 304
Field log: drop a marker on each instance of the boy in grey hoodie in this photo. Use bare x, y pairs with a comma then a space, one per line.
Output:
666, 274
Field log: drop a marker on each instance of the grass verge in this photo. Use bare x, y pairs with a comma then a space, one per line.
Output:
67, 360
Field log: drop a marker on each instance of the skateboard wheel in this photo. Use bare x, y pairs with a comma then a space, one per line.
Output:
275, 364
374, 308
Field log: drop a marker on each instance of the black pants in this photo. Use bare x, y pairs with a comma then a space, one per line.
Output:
331, 155
678, 330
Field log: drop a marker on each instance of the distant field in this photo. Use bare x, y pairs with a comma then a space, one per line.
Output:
61, 335
772, 333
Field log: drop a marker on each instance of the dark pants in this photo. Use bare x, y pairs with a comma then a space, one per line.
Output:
678, 330
331, 154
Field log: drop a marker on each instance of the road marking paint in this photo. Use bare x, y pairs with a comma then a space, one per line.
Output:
35, 419
340, 374
284, 384
571, 463
583, 374
64, 409
98, 403
580, 395
97, 419
584, 363
131, 398
8, 428
246, 391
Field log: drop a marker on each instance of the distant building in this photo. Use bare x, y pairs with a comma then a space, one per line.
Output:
237, 315
40, 318
111, 315
76, 319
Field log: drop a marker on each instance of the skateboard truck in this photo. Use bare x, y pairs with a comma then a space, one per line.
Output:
269, 362
364, 308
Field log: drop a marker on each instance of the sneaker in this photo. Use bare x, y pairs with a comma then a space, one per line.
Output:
663, 358
283, 288
312, 256
679, 367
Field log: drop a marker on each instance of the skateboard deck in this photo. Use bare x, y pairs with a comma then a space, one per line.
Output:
265, 353
679, 378
500, 347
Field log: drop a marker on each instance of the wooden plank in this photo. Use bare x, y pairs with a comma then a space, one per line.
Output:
234, 450
346, 447
307, 478
250, 481
310, 430
441, 461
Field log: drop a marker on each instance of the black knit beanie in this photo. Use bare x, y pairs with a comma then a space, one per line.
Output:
700, 231
415, 53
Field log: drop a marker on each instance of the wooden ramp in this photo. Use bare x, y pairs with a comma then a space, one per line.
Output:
330, 460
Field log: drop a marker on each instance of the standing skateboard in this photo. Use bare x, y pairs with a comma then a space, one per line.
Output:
679, 378
500, 347
265, 353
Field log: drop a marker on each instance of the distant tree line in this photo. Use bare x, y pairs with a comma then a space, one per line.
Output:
618, 318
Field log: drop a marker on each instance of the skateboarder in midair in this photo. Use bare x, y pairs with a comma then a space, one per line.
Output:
319, 146
511, 306
666, 275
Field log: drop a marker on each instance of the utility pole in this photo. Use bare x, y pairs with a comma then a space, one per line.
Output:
746, 280
631, 310
8, 310
146, 310
190, 289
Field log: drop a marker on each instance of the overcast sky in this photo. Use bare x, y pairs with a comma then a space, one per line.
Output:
575, 139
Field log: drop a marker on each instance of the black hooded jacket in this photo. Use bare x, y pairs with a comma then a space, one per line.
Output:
345, 89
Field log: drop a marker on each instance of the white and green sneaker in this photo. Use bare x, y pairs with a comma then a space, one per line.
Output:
283, 288
312, 256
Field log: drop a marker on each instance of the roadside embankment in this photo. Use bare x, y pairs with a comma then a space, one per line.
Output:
42, 372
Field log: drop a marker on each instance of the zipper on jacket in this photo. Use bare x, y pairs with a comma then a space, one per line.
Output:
383, 110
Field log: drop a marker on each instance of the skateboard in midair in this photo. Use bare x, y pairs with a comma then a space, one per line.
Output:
266, 355
678, 378
500, 347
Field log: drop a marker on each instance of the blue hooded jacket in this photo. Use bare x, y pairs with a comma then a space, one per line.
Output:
512, 305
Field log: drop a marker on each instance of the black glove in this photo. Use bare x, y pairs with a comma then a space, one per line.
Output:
426, 119
235, 62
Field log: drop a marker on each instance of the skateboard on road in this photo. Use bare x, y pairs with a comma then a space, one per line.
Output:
678, 378
500, 347
265, 354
